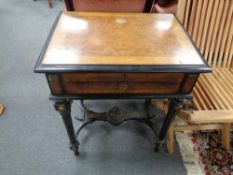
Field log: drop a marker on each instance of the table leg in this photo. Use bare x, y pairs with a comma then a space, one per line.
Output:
64, 108
167, 121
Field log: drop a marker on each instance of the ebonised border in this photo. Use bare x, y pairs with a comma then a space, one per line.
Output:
41, 56
120, 96
121, 68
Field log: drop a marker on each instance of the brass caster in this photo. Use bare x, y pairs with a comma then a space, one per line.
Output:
158, 147
75, 148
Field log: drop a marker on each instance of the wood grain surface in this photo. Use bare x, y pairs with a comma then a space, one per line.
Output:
118, 83
120, 39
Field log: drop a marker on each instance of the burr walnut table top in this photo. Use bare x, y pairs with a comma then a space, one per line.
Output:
82, 41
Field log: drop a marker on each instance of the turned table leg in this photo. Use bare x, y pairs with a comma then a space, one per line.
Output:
64, 108
167, 121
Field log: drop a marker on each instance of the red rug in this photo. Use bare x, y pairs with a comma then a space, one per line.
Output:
214, 158
203, 154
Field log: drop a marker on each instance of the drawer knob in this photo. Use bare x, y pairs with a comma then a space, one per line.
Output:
123, 87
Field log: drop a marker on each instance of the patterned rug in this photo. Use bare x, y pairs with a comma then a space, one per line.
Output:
203, 154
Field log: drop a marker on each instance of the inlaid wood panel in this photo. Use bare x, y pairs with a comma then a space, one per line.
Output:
189, 83
86, 77
119, 39
154, 77
122, 88
122, 83
73, 77
55, 84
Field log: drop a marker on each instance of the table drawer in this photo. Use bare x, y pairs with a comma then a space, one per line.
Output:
113, 77
92, 77
122, 88
121, 83
154, 77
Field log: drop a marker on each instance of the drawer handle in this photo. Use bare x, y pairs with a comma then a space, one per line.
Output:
123, 87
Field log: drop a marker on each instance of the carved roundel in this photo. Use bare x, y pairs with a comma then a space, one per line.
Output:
115, 116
